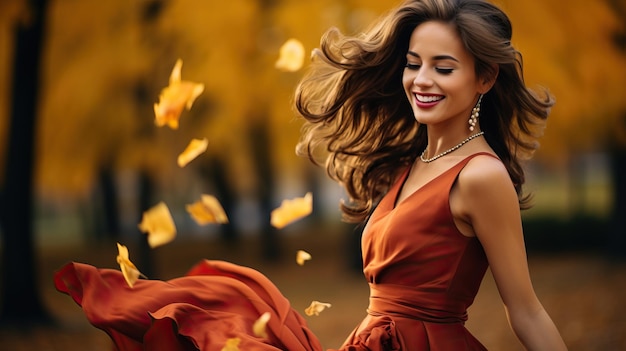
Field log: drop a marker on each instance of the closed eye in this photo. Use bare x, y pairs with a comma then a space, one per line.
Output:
412, 66
444, 70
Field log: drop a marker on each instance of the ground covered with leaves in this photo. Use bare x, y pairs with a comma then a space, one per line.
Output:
583, 292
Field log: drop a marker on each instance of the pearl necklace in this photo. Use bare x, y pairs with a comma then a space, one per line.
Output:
428, 160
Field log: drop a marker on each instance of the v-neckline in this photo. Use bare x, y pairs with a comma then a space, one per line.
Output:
405, 176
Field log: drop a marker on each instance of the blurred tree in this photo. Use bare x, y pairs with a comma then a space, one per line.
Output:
570, 49
20, 295
108, 226
617, 148
102, 74
260, 142
215, 169
575, 51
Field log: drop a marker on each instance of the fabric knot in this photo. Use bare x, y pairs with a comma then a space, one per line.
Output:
380, 337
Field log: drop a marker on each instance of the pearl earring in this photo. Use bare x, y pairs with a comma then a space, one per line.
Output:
475, 113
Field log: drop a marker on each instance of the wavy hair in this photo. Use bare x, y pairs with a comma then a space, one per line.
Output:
358, 121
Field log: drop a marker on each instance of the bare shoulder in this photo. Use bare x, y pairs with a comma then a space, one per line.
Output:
485, 174
482, 196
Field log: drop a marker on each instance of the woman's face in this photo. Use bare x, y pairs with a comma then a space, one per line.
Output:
439, 78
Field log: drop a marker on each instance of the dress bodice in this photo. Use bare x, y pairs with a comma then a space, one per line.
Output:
415, 246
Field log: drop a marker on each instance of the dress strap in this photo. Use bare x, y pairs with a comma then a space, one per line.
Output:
459, 166
469, 157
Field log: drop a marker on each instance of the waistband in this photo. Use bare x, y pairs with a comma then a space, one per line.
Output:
408, 302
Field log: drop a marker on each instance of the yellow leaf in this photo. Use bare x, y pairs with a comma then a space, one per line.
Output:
174, 98
232, 344
193, 150
291, 56
302, 256
207, 210
157, 222
129, 271
316, 307
259, 325
292, 210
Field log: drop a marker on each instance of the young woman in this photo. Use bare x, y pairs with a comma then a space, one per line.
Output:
424, 120
426, 117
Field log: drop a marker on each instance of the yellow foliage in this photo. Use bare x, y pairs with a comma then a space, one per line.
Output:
102, 73
568, 48
232, 344
302, 256
260, 325
129, 270
175, 97
158, 224
195, 148
291, 210
316, 307
207, 210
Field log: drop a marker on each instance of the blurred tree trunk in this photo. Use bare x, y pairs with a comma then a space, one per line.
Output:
20, 295
617, 229
108, 217
145, 261
313, 179
260, 143
355, 253
576, 185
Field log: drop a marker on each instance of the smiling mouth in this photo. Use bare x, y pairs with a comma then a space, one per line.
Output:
429, 98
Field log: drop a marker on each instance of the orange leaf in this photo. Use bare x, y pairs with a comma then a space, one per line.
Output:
292, 210
207, 210
193, 150
174, 98
315, 308
158, 223
129, 271
302, 256
259, 325
291, 56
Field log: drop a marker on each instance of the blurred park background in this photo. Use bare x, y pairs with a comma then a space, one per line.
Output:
81, 158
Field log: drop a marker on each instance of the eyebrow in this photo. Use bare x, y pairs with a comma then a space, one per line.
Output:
436, 58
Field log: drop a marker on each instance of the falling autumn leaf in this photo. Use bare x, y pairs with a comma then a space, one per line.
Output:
258, 328
292, 210
179, 94
316, 307
302, 256
207, 210
157, 222
193, 150
129, 271
232, 344
291, 57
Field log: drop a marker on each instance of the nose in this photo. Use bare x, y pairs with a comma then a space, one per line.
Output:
422, 78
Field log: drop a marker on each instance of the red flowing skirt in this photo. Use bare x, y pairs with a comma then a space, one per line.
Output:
214, 302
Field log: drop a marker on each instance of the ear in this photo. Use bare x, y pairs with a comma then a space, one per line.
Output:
489, 79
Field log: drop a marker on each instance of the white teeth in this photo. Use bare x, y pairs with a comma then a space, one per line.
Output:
422, 98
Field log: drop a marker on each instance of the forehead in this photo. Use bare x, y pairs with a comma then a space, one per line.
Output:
434, 38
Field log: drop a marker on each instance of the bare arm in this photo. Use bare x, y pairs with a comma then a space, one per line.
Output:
489, 204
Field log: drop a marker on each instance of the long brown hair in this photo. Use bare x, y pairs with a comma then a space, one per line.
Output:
359, 123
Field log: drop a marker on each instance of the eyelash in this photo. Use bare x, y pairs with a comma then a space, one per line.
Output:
439, 70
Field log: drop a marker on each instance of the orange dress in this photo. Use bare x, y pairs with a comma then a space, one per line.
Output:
422, 272
423, 275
